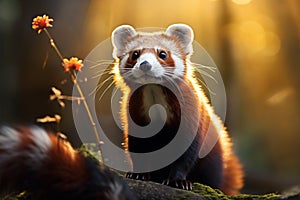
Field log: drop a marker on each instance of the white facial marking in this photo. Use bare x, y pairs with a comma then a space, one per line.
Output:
179, 66
153, 75
123, 62
157, 72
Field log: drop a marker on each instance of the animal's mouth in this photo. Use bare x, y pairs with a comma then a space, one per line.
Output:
147, 79
149, 76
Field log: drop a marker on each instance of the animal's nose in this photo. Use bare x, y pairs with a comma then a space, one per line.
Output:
145, 66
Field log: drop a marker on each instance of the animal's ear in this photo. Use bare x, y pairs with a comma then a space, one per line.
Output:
184, 34
120, 37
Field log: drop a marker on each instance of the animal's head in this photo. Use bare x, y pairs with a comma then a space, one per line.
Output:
152, 57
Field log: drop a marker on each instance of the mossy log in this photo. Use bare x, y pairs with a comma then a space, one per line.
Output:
154, 191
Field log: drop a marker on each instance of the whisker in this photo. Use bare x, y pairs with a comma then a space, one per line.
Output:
106, 89
202, 72
198, 79
114, 93
100, 74
98, 61
128, 64
206, 86
167, 67
124, 69
172, 82
173, 75
101, 85
197, 65
127, 74
105, 65
124, 75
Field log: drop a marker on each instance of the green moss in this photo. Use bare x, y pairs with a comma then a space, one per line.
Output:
213, 194
251, 196
89, 150
208, 192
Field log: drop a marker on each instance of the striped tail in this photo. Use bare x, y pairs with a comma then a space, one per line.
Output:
35, 160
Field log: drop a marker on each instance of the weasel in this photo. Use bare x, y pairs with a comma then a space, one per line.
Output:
46, 167
155, 68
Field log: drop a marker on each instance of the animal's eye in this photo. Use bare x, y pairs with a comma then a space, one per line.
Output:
162, 55
135, 55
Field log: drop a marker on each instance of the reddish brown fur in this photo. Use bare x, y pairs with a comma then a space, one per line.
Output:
233, 172
25, 138
130, 63
230, 173
220, 168
62, 168
17, 166
47, 167
64, 165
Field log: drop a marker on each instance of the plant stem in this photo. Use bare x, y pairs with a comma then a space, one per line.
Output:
73, 78
52, 43
99, 142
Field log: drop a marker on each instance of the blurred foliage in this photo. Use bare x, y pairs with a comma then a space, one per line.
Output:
254, 43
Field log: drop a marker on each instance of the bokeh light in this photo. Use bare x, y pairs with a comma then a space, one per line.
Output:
255, 44
242, 2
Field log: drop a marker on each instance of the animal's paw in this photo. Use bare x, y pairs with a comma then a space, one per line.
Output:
138, 176
179, 183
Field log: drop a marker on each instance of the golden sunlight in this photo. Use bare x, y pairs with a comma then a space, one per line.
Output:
254, 44
242, 2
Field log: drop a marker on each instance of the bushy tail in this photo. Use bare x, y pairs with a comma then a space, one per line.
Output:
233, 170
35, 160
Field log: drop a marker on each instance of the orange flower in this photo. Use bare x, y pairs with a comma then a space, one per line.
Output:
41, 22
72, 63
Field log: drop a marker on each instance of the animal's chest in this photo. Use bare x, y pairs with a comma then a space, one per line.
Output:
152, 103
154, 118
